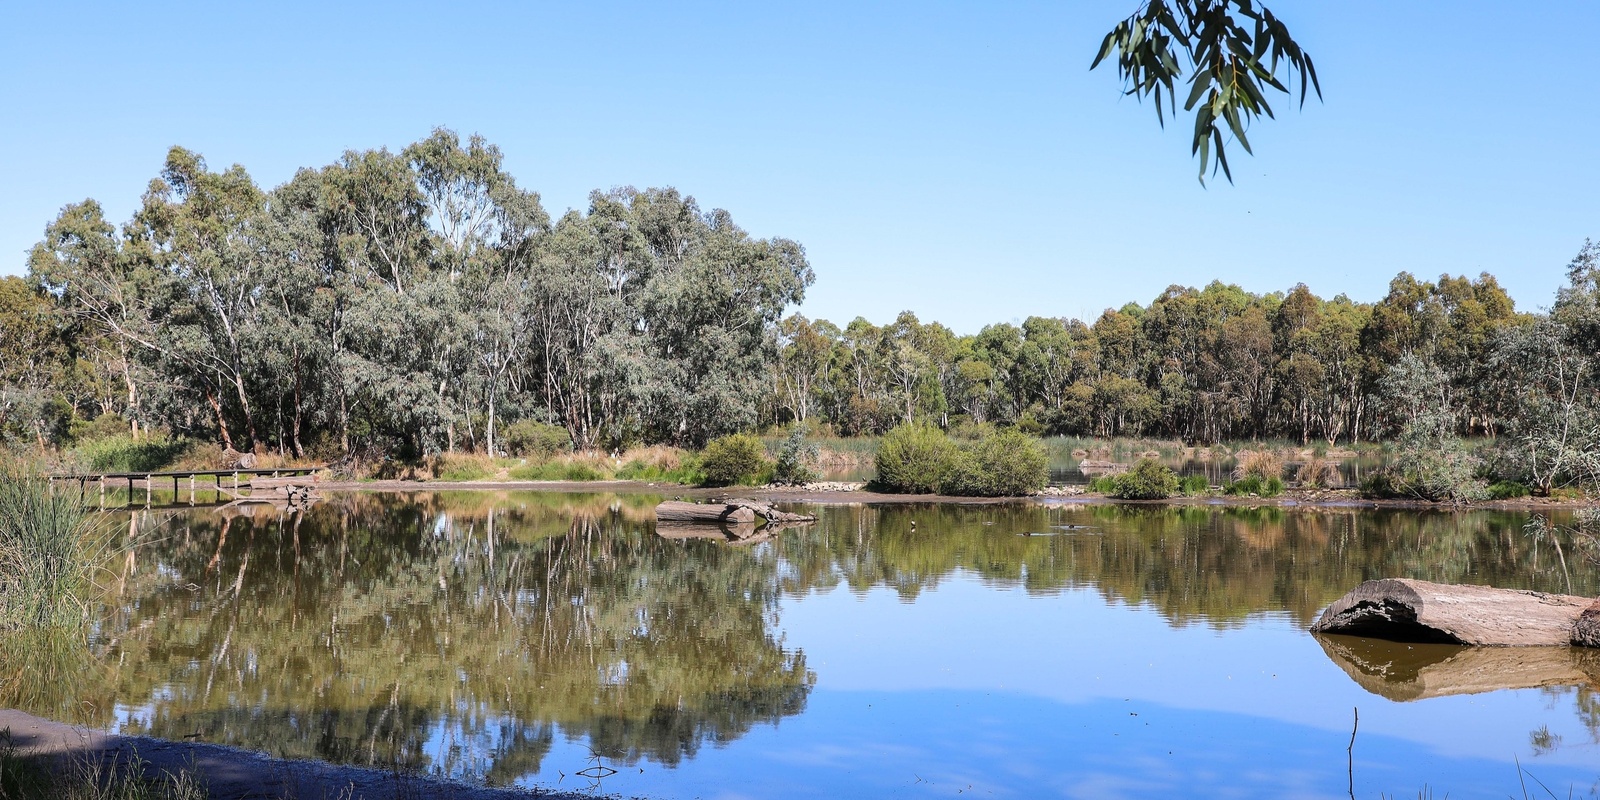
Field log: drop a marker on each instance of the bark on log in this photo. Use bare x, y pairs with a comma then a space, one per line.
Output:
675, 511
1586, 629
1404, 672
766, 511
1405, 610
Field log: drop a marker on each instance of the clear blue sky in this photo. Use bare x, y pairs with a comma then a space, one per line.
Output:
955, 159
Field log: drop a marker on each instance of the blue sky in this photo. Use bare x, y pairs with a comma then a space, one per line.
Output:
955, 159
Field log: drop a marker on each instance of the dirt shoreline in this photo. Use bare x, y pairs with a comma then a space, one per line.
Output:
1291, 498
232, 774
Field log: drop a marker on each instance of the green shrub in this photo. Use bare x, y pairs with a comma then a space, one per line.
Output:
122, 454
534, 439
795, 459
1507, 490
736, 458
914, 458
105, 426
1003, 464
1194, 484
1148, 480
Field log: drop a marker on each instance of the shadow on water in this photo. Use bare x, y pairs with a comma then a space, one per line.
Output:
468, 634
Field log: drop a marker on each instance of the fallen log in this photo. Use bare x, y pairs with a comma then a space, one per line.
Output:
720, 513
1405, 672
766, 511
1405, 610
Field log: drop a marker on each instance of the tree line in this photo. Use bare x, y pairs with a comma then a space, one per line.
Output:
417, 302
1213, 364
405, 302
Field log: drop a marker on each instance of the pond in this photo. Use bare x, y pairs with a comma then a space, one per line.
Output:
1010, 650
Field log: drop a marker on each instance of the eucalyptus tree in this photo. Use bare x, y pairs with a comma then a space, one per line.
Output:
710, 309
202, 234
35, 365
81, 262
1232, 52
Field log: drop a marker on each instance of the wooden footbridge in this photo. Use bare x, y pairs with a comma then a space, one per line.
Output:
224, 486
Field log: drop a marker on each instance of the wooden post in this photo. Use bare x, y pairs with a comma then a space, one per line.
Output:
149, 489
191, 489
102, 482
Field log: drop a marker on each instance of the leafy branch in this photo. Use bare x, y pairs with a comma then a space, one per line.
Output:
1231, 50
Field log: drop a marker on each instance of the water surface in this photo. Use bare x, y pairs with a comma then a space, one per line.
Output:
1008, 650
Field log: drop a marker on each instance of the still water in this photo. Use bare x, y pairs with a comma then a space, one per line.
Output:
905, 651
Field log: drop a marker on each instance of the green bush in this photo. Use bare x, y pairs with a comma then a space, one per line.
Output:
795, 459
534, 439
919, 458
122, 454
1507, 490
105, 426
914, 458
736, 458
1004, 464
1194, 484
1148, 480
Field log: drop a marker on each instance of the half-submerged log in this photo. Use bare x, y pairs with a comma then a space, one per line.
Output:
726, 512
1404, 672
1405, 610
715, 513
766, 511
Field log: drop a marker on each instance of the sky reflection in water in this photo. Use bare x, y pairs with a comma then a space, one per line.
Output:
521, 638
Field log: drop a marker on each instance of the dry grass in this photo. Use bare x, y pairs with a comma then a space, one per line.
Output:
1319, 473
1264, 464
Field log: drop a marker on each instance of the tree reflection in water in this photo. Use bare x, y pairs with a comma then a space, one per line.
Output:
461, 633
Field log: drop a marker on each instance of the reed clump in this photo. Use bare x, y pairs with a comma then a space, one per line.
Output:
48, 548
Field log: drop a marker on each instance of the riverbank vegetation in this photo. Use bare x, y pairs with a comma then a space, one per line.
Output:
49, 548
391, 308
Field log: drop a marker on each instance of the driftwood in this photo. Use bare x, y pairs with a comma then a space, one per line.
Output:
1092, 467
733, 512
1403, 672
719, 513
766, 511
1405, 610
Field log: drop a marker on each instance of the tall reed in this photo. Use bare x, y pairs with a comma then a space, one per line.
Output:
48, 548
